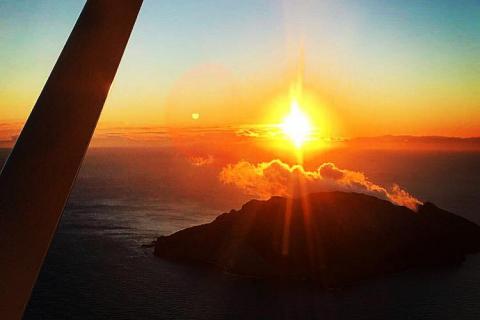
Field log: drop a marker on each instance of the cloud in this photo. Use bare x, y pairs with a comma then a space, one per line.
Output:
267, 179
199, 161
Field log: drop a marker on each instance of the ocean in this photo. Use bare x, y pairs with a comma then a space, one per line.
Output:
97, 268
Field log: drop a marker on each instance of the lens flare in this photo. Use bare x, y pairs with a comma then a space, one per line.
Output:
296, 125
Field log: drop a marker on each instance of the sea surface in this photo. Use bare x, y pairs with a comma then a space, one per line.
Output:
97, 268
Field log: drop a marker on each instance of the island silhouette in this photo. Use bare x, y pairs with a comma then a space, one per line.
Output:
331, 238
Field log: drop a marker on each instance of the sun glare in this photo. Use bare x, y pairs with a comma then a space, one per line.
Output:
296, 125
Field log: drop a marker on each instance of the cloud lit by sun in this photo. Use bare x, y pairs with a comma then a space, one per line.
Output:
296, 125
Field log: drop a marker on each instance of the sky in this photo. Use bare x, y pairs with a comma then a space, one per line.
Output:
371, 67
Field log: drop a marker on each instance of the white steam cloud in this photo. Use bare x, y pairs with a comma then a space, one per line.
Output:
267, 179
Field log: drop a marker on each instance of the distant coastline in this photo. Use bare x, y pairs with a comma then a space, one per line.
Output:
161, 136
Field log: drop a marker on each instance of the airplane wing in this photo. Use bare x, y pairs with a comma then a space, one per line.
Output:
37, 177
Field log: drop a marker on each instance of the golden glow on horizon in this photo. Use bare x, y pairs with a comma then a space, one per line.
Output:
296, 125
298, 120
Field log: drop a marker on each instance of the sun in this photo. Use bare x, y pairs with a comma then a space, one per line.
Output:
296, 125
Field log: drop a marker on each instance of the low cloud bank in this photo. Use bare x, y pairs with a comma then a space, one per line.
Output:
267, 179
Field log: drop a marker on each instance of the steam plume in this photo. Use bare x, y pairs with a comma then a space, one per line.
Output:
266, 179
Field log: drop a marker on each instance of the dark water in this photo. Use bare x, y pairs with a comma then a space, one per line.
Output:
96, 268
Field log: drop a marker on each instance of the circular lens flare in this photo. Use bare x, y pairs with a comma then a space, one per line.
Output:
296, 125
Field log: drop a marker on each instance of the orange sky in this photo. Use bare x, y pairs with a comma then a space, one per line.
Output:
368, 70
